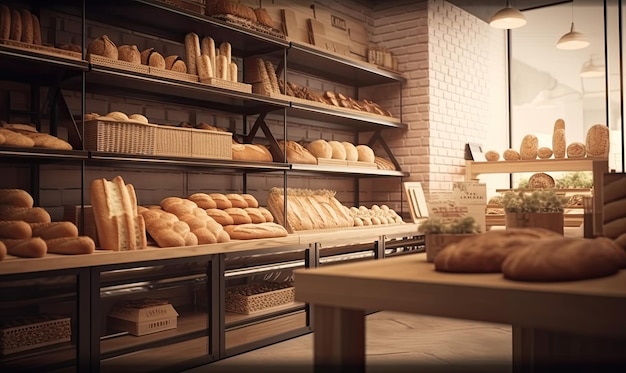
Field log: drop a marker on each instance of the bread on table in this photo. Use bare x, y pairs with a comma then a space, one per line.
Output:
528, 148
52, 230
597, 141
70, 245
33, 247
576, 150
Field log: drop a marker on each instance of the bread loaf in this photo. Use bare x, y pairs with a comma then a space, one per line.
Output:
221, 67
236, 200
255, 215
263, 17
271, 73
5, 22
71, 245
528, 148
13, 138
27, 214
27, 26
251, 152
36, 30
207, 46
204, 67
296, 153
221, 216
266, 214
175, 63
492, 156
576, 150
366, 154
129, 53
44, 140
16, 25
558, 143
15, 198
118, 115
565, 259
253, 231
203, 200
119, 226
34, 247
559, 124
138, 118
544, 152
320, 149
239, 215
103, 46
226, 51
15, 229
192, 51
339, 150
152, 58
352, 153
221, 200
55, 229
250, 200
597, 141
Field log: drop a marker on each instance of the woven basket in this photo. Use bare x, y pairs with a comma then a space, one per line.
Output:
259, 298
27, 333
163, 73
120, 137
193, 143
118, 64
228, 84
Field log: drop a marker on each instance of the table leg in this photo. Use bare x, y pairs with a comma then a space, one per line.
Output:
339, 339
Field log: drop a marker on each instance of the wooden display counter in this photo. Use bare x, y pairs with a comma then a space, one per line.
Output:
577, 322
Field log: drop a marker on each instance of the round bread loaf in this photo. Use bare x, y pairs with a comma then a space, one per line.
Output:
320, 149
263, 17
576, 150
151, 57
597, 141
544, 152
352, 154
339, 151
366, 154
103, 46
175, 63
118, 115
296, 153
485, 252
492, 156
528, 148
129, 53
558, 143
565, 259
138, 118
511, 155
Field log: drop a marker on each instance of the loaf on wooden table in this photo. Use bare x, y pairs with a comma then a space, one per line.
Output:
15, 229
119, 226
544, 152
511, 155
44, 140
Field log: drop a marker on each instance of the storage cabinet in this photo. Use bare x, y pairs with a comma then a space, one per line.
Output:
195, 281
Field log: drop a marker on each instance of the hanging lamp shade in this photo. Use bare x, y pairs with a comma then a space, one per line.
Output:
572, 40
591, 70
507, 18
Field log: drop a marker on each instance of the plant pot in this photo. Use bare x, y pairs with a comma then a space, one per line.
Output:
547, 220
435, 242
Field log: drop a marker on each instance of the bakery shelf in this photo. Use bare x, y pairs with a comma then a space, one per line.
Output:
167, 21
329, 117
55, 358
141, 86
364, 171
315, 61
272, 330
42, 154
37, 68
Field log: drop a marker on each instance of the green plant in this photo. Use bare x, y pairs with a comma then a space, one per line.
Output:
546, 200
458, 226
573, 180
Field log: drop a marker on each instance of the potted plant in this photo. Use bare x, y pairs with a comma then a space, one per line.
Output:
540, 208
438, 233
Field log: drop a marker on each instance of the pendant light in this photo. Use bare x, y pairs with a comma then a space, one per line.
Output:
573, 39
591, 70
507, 18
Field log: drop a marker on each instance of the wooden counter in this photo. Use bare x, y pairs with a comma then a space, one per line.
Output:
591, 310
14, 265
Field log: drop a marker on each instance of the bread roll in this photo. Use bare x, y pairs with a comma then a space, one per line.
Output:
565, 259
339, 150
36, 30
221, 200
221, 216
544, 152
175, 63
528, 148
43, 140
203, 200
16, 25
250, 200
366, 154
192, 51
34, 247
136, 117
15, 229
266, 214
150, 57
103, 46
71, 245
5, 22
118, 115
320, 149
492, 156
352, 154
27, 214
576, 150
15, 198
13, 138
236, 200
27, 26
597, 141
239, 215
558, 143
55, 229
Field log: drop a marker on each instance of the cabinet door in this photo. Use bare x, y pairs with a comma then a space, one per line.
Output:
156, 315
40, 323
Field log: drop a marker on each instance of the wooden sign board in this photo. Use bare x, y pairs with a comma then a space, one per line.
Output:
417, 202
465, 199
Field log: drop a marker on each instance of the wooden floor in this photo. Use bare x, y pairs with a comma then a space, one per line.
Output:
396, 342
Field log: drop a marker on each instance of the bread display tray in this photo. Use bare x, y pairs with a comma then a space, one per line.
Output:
143, 316
95, 59
42, 49
28, 332
256, 297
228, 84
342, 109
164, 73
332, 162
153, 139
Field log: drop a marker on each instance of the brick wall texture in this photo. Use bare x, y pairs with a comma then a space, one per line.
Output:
453, 94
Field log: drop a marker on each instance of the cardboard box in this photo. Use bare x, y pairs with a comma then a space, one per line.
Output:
144, 316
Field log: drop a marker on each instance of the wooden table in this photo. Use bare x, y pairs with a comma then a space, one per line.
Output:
581, 324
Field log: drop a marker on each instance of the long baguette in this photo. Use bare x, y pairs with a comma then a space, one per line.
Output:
55, 229
16, 229
28, 214
204, 67
207, 46
34, 247
192, 51
71, 245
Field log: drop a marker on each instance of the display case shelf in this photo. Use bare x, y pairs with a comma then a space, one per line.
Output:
19, 64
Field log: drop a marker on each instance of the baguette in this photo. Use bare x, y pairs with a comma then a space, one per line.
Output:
221, 216
16, 25
233, 72
27, 214
255, 215
52, 230
15, 229
192, 51
221, 201
271, 73
36, 30
266, 214
558, 143
204, 67
5, 24
27, 26
15, 198
221, 67
44, 140
207, 46
34, 247
237, 200
71, 245
226, 51
250, 200
239, 215
119, 226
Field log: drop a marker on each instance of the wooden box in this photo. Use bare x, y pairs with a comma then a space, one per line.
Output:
144, 316
256, 297
28, 332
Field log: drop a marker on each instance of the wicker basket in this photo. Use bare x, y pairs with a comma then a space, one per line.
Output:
120, 137
228, 84
44, 49
26, 333
163, 73
193, 143
257, 297
117, 64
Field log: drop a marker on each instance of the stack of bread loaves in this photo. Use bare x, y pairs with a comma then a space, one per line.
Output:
27, 136
27, 231
207, 61
19, 24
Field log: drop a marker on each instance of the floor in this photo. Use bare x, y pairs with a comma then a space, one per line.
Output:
395, 342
